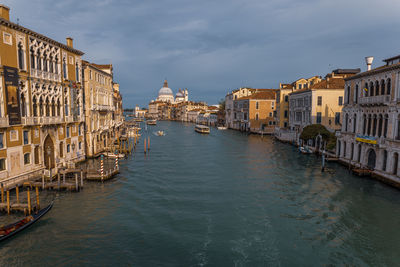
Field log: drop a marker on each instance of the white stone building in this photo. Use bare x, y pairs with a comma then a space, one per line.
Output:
370, 135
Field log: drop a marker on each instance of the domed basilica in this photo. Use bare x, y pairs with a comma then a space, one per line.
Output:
166, 95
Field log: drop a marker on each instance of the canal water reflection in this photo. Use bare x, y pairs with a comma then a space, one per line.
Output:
224, 199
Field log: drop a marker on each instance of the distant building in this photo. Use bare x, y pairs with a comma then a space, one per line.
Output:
140, 113
229, 101
320, 103
255, 113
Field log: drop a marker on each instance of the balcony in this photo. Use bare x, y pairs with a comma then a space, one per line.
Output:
52, 120
103, 107
28, 121
375, 100
45, 75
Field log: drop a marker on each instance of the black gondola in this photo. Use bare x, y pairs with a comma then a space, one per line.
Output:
11, 229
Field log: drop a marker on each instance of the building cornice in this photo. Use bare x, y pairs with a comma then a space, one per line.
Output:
373, 72
39, 36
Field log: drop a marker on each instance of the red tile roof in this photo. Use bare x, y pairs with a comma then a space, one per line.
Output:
270, 94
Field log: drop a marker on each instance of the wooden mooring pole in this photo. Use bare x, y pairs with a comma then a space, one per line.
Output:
81, 178
58, 180
2, 193
148, 143
8, 202
76, 181
145, 149
17, 192
37, 198
29, 201
43, 181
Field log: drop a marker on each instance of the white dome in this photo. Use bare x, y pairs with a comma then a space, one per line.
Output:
165, 91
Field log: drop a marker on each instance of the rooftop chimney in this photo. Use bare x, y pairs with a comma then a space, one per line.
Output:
70, 42
369, 60
4, 12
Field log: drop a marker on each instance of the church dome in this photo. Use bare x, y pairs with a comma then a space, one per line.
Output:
165, 91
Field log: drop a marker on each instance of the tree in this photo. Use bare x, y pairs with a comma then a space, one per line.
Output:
313, 130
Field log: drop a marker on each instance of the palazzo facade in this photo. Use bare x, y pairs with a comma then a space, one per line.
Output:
41, 102
370, 134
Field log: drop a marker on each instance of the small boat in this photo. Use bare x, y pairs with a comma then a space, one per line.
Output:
202, 129
222, 128
305, 150
160, 133
11, 229
113, 155
151, 122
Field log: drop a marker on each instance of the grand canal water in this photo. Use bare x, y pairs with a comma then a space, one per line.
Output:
224, 199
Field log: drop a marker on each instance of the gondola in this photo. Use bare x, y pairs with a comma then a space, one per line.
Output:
11, 229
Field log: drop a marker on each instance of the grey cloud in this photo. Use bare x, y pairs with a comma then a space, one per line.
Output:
213, 46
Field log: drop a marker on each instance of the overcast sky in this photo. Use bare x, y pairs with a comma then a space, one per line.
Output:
213, 46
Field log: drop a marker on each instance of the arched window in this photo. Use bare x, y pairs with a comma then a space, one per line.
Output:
344, 149
56, 66
64, 68
41, 106
365, 124
374, 128
21, 57
66, 106
77, 72
352, 151
58, 107
371, 89
383, 87
366, 89
346, 122
34, 107
32, 58
51, 64
395, 163
45, 62
53, 108
359, 153
376, 88
369, 124
23, 105
385, 153
39, 62
389, 86
380, 122
398, 128
348, 95
47, 107
356, 95
385, 127
354, 123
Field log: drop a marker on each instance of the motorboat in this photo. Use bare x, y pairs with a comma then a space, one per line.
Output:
222, 127
160, 133
151, 122
305, 150
202, 129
